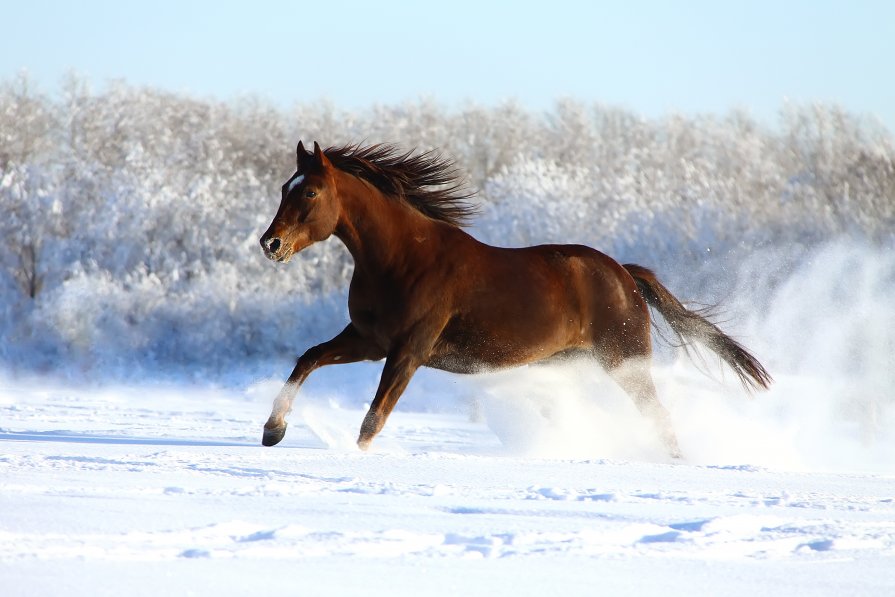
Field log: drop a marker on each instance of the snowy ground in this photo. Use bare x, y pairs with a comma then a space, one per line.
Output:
161, 490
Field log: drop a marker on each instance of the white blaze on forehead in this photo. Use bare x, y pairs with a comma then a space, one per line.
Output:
295, 182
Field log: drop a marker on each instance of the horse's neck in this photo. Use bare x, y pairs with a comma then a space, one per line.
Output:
379, 232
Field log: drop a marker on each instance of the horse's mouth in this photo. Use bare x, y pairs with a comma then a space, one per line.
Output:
281, 256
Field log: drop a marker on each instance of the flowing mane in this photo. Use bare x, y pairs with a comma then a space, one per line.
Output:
428, 181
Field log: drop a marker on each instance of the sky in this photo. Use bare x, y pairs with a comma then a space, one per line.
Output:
649, 56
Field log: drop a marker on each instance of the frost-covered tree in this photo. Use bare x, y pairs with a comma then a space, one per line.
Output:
27, 124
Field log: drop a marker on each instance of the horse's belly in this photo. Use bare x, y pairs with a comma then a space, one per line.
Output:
460, 360
465, 348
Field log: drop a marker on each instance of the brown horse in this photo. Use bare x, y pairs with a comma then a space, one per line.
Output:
426, 293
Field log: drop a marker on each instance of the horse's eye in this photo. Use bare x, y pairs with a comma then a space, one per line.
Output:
310, 194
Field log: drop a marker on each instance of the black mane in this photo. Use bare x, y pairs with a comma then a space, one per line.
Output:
428, 181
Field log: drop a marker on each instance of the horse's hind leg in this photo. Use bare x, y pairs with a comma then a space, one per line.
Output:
634, 377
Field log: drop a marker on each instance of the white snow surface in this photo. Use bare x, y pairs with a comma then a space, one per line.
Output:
537, 481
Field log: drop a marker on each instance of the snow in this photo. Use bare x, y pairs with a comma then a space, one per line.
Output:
152, 489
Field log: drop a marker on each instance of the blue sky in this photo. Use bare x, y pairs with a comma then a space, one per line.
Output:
648, 56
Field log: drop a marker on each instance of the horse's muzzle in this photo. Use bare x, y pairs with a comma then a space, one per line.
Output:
275, 250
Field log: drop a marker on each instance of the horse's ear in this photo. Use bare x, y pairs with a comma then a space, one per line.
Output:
320, 158
301, 155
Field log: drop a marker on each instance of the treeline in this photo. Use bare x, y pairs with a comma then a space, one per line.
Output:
130, 216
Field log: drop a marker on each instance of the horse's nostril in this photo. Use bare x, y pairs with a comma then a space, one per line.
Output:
273, 245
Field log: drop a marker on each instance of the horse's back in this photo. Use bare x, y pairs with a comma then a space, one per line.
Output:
588, 280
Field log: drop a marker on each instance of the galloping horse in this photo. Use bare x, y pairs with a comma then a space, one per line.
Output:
426, 293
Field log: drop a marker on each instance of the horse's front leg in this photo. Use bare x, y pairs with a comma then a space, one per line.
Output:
407, 354
347, 347
396, 374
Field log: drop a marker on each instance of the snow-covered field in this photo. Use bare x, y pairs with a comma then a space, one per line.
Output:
130, 270
519, 484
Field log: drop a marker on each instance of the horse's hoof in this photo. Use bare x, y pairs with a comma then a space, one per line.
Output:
364, 444
273, 436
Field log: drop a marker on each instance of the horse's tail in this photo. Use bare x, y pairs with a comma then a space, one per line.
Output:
690, 325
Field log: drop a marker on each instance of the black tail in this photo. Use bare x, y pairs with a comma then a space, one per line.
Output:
689, 325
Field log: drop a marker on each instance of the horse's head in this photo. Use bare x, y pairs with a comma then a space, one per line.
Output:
309, 208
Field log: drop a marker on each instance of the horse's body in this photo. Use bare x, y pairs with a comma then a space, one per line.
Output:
426, 293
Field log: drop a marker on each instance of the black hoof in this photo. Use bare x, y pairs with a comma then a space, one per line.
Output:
273, 436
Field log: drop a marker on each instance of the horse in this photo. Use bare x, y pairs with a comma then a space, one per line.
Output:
425, 293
